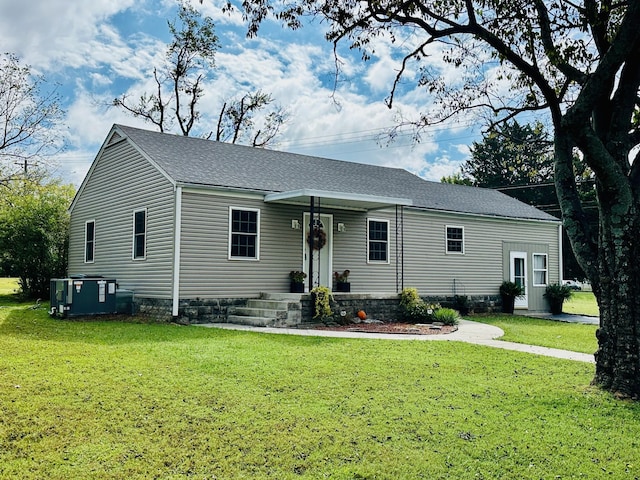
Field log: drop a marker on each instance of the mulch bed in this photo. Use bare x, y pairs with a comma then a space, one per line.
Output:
402, 328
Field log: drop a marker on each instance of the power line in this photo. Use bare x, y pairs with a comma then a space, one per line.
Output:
369, 135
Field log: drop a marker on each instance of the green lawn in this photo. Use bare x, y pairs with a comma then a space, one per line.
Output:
113, 400
546, 333
8, 286
582, 303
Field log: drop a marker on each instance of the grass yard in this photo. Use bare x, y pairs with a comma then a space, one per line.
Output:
8, 286
111, 400
582, 303
576, 337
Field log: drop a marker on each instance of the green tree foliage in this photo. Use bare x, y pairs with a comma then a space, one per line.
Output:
511, 154
579, 61
190, 60
29, 113
518, 160
34, 225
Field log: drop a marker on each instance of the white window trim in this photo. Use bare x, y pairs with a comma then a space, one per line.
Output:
446, 240
84, 254
133, 234
534, 269
379, 262
230, 226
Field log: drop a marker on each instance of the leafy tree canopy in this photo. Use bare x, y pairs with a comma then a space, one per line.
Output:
34, 224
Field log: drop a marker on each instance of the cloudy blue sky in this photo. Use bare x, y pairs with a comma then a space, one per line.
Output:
97, 50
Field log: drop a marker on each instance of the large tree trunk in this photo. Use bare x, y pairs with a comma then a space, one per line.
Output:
610, 258
618, 355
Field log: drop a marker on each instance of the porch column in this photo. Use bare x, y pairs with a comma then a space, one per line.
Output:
311, 238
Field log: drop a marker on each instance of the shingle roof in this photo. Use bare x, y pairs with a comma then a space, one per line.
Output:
191, 160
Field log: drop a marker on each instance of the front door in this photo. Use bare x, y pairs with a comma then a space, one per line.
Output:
322, 253
518, 275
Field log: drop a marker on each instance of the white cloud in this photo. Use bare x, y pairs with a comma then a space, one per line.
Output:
441, 167
103, 48
50, 30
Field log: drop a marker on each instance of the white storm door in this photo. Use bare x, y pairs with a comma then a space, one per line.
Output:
518, 275
322, 258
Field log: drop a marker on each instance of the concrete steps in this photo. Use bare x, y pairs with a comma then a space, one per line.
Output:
270, 310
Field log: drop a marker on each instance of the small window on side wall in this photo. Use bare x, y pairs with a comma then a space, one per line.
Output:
89, 241
244, 234
455, 239
540, 269
378, 241
140, 234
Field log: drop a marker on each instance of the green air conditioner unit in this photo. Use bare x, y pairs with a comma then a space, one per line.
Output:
83, 295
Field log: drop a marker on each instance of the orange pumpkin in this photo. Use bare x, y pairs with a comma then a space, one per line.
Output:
362, 315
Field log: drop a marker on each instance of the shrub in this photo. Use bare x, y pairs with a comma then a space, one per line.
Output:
447, 316
322, 302
413, 309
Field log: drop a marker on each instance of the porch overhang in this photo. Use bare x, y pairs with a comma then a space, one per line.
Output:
343, 200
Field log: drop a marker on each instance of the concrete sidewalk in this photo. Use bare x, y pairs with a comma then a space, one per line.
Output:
564, 317
468, 331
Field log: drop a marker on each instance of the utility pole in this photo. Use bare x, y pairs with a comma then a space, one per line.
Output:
25, 165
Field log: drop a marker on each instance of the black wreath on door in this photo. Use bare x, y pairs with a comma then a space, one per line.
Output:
317, 237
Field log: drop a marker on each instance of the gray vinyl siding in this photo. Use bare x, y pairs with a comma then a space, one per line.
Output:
535, 294
481, 269
122, 181
350, 252
206, 270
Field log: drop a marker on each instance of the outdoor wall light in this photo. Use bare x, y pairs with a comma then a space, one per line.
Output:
342, 227
295, 224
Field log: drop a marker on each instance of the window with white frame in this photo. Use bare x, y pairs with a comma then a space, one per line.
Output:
244, 233
540, 269
378, 240
89, 241
454, 239
140, 234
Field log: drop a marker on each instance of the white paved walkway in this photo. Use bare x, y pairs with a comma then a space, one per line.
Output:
468, 331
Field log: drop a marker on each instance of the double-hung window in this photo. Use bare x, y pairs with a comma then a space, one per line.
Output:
378, 241
244, 233
540, 269
455, 239
89, 241
140, 234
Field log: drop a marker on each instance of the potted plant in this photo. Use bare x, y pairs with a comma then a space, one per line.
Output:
556, 294
509, 291
296, 284
342, 281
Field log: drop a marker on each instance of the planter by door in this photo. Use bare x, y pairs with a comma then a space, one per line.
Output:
296, 287
343, 286
508, 303
555, 305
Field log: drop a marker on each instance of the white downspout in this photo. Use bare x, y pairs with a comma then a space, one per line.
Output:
177, 231
560, 255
